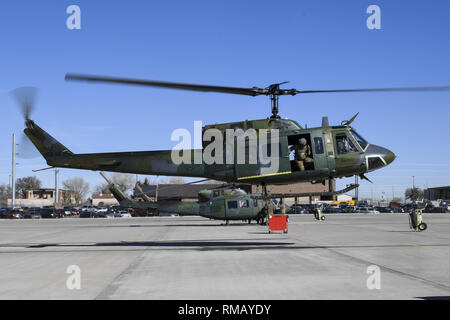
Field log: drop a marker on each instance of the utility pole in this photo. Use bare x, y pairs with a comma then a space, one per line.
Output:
56, 187
356, 189
414, 186
13, 173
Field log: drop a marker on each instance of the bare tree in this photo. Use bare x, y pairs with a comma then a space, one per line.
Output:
125, 182
77, 187
5, 193
101, 188
27, 183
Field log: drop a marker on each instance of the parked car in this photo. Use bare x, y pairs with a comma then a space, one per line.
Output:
102, 214
51, 213
70, 211
297, 208
12, 214
398, 210
85, 214
384, 209
332, 209
122, 214
140, 213
348, 209
88, 209
439, 210
32, 213
365, 210
3, 213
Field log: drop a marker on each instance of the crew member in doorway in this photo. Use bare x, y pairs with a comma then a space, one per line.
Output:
302, 153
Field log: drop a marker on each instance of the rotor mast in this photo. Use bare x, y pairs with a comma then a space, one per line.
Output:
274, 98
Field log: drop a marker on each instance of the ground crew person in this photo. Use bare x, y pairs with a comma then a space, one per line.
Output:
270, 209
263, 215
282, 206
302, 153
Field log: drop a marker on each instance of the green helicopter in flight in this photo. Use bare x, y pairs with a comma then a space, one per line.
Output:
321, 153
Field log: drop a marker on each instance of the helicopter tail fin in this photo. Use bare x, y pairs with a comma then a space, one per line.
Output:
48, 146
115, 191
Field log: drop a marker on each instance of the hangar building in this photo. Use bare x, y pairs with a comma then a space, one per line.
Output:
438, 193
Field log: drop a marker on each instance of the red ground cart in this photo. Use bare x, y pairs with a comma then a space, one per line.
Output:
278, 222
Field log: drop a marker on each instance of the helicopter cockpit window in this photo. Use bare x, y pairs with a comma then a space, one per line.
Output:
344, 144
362, 142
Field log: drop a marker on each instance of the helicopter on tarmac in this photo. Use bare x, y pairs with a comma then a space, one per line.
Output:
222, 203
335, 151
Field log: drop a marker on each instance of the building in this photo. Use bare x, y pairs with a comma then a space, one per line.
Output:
344, 197
43, 197
189, 192
438, 193
301, 187
104, 200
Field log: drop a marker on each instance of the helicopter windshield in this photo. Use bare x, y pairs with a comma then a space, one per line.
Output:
362, 142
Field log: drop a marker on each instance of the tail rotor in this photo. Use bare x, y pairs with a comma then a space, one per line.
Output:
26, 99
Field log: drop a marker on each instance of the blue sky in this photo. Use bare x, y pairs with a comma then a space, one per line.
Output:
312, 44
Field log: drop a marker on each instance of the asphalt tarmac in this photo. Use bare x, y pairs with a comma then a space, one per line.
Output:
347, 256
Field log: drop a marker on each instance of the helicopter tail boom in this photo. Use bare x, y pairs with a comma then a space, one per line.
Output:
140, 162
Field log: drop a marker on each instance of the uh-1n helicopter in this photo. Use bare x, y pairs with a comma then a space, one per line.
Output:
221, 203
224, 202
336, 151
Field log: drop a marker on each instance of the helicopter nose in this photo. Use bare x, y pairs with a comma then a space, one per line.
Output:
378, 157
388, 156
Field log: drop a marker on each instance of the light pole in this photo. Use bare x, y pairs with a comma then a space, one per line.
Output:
56, 187
13, 173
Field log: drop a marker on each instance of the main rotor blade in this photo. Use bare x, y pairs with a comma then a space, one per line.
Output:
172, 85
255, 91
410, 89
